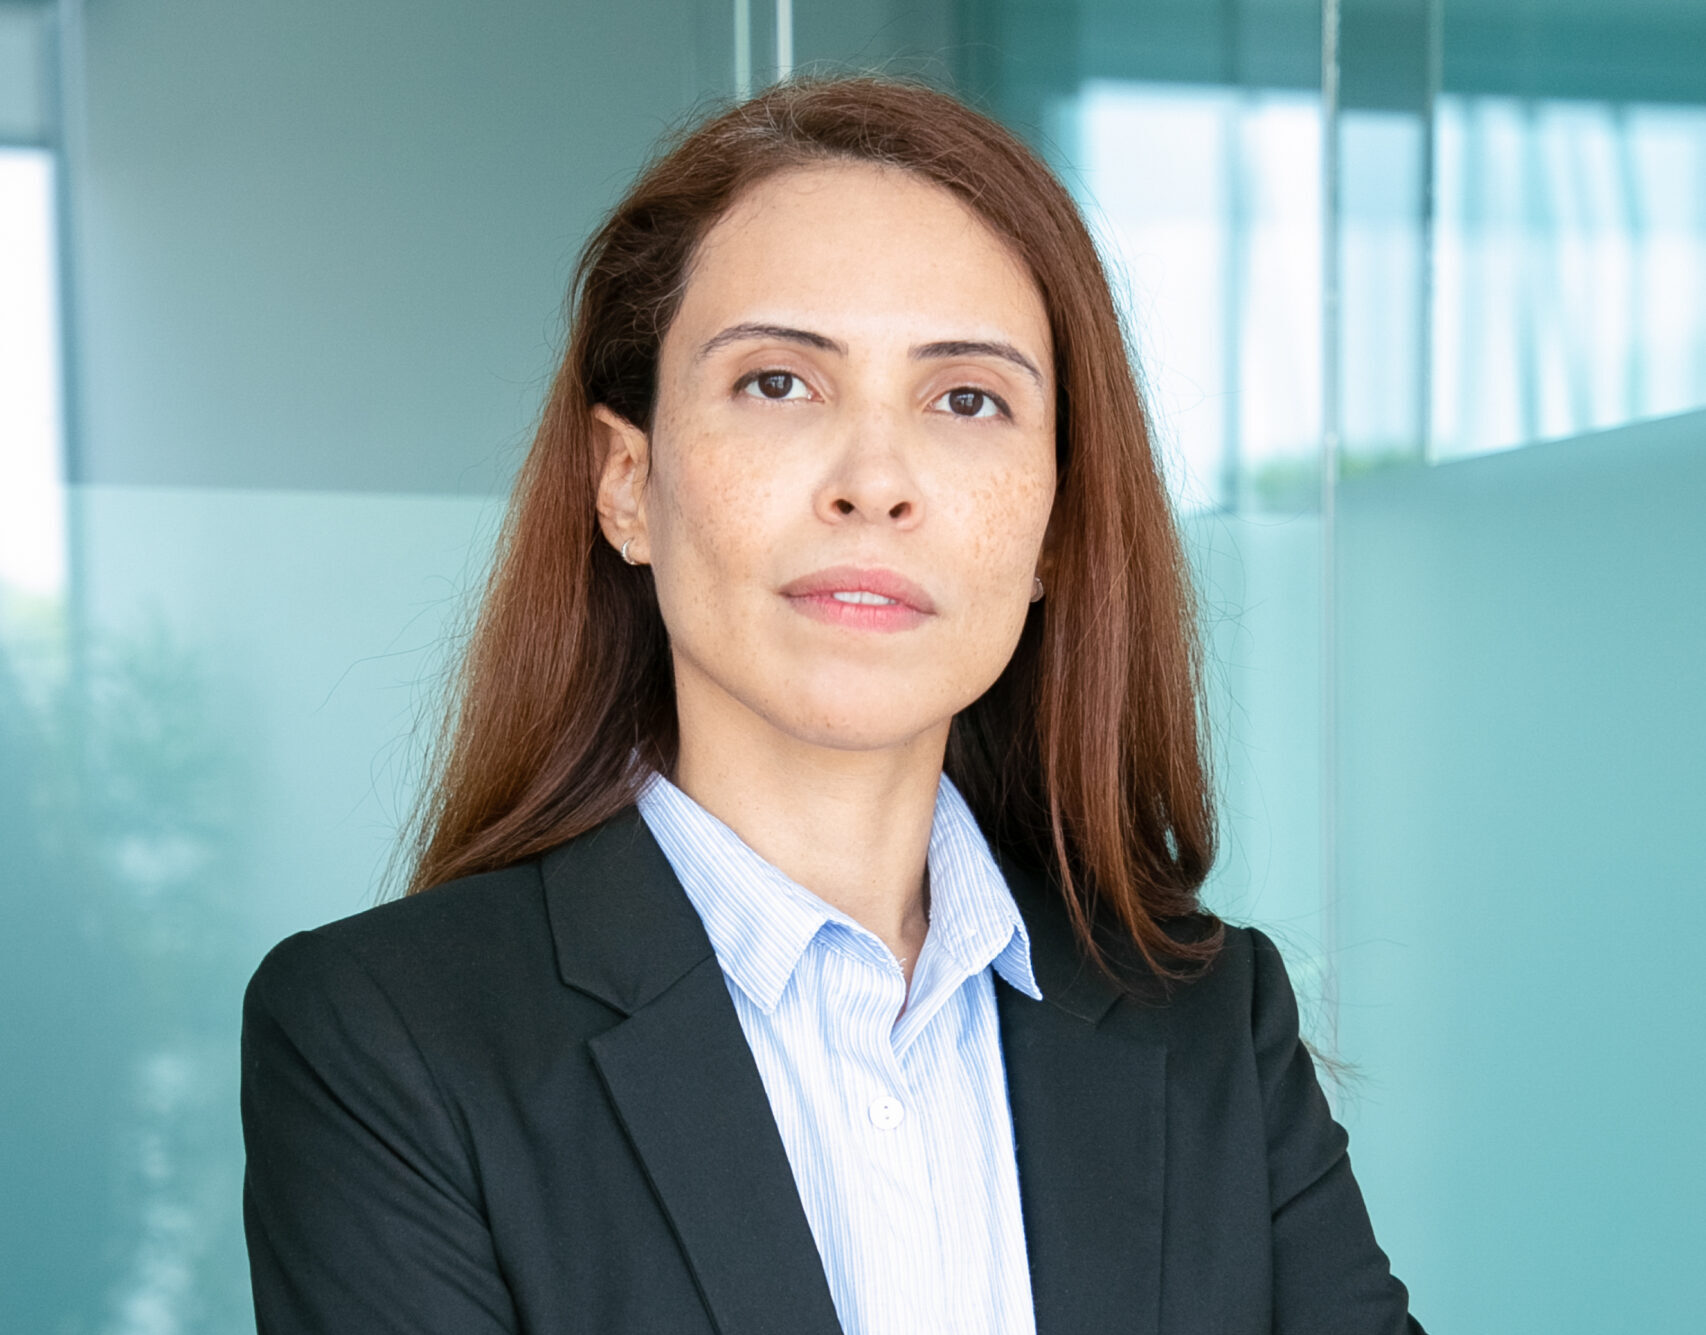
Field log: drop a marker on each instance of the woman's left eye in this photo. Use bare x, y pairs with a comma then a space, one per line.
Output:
967, 402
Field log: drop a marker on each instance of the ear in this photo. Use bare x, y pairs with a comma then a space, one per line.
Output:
622, 482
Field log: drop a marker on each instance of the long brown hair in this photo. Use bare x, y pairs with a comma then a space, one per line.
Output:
1085, 759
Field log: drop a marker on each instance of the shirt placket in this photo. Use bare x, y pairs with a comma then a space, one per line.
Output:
888, 1114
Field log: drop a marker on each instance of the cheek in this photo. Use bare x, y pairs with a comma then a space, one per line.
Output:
708, 520
999, 532
1006, 517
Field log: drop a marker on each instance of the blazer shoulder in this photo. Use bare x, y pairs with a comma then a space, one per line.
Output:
1250, 974
1247, 977
1230, 969
1246, 956
1235, 965
1241, 996
458, 947
447, 918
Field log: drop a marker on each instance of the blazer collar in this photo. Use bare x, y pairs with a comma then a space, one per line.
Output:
683, 1083
625, 930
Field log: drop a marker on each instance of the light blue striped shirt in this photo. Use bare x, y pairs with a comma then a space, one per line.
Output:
898, 1131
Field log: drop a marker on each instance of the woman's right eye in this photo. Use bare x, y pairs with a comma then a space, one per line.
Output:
773, 385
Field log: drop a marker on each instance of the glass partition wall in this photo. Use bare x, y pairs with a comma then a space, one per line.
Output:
279, 294
1518, 630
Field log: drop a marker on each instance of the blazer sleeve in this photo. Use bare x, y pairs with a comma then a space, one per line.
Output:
1330, 1276
360, 1201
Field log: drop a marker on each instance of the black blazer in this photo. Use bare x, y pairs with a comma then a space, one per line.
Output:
522, 1102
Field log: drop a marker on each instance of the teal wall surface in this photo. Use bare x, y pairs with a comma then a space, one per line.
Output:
1522, 771
218, 753
325, 245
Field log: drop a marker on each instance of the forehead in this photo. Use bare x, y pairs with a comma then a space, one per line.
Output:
865, 249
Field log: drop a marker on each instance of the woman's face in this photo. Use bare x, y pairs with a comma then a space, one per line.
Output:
844, 494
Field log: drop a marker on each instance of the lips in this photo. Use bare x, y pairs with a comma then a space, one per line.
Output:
825, 584
860, 600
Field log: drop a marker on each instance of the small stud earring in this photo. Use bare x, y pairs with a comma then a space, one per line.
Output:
630, 560
1036, 588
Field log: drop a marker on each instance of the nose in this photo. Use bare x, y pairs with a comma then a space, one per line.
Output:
871, 478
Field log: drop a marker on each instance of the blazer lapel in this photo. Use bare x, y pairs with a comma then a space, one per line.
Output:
1088, 1101
681, 1077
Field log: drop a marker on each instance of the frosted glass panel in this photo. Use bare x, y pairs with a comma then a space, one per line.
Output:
1522, 837
209, 749
1260, 587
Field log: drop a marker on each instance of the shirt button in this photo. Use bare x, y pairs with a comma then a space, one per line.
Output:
887, 1114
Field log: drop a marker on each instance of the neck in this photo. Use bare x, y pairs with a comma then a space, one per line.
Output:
851, 826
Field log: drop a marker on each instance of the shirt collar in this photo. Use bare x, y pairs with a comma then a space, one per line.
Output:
972, 913
760, 922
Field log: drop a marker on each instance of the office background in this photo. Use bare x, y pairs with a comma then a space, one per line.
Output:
1419, 291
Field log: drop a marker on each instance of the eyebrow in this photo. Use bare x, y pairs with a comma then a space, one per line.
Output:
924, 352
974, 348
735, 333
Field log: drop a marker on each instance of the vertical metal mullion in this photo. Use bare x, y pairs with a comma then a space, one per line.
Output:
1236, 256
1330, 444
1235, 279
1435, 79
66, 130
64, 87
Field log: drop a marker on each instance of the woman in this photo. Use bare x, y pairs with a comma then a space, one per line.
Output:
808, 934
